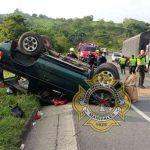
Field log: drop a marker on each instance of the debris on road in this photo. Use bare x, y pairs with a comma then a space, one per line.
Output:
132, 92
17, 111
57, 102
39, 115
22, 146
34, 123
11, 90
131, 88
23, 83
144, 92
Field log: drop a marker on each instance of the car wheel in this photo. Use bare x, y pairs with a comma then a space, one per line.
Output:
115, 69
46, 41
30, 43
106, 73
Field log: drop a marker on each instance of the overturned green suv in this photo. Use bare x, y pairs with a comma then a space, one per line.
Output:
33, 58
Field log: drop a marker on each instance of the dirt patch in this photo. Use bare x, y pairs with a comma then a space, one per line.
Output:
144, 92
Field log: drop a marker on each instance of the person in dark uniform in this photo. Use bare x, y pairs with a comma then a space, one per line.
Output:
100, 58
91, 60
72, 54
132, 64
141, 63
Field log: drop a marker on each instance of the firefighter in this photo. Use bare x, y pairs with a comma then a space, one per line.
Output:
91, 60
122, 62
141, 63
132, 64
72, 54
100, 58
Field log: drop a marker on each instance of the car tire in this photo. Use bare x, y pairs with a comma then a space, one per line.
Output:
115, 69
30, 43
110, 71
47, 43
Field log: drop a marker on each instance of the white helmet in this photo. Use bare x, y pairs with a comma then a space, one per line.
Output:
71, 49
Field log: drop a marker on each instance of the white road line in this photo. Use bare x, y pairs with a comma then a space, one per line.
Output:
140, 113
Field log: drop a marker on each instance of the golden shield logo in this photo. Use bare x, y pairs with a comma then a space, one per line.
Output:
102, 104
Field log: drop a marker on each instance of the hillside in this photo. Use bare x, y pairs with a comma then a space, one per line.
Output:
67, 33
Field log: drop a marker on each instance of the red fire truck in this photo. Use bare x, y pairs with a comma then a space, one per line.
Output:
85, 49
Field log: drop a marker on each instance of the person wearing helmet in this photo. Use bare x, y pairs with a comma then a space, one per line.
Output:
91, 59
141, 63
132, 64
97, 51
100, 58
122, 61
71, 54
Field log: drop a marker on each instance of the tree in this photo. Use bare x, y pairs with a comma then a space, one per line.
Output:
61, 43
34, 15
77, 37
134, 27
88, 18
42, 16
12, 27
17, 12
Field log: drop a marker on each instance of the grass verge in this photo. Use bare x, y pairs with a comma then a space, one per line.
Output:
11, 127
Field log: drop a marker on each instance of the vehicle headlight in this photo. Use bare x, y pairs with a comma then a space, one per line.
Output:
81, 54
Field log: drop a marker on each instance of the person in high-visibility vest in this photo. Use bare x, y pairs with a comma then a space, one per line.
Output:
122, 62
148, 63
141, 63
132, 64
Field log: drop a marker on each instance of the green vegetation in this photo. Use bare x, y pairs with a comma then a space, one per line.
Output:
12, 27
67, 33
10, 126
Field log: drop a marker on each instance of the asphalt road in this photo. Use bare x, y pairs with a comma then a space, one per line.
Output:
55, 131
132, 134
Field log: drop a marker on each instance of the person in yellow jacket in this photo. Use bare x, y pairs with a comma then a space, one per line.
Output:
122, 62
141, 63
132, 64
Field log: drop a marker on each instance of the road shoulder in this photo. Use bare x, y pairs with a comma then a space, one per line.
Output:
55, 131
